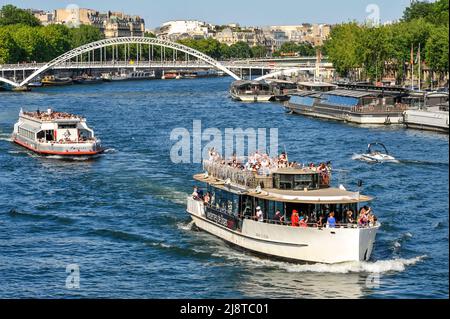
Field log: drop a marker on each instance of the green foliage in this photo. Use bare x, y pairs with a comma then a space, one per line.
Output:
259, 51
240, 50
9, 49
84, 34
302, 49
437, 49
433, 12
378, 50
10, 15
343, 45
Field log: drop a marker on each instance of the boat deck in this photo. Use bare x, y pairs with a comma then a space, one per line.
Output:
51, 117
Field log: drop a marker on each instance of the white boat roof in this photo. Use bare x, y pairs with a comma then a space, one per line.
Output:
53, 117
319, 196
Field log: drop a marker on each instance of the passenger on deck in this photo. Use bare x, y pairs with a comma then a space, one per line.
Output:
207, 199
363, 218
349, 217
331, 221
195, 193
279, 218
295, 219
303, 222
319, 223
259, 214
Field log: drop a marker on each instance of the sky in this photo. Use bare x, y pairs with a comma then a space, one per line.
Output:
244, 12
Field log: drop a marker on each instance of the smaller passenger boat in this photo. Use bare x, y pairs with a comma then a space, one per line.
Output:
23, 88
52, 80
251, 91
55, 133
171, 76
86, 79
374, 155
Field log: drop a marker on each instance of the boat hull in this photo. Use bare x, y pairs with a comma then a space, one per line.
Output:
330, 113
429, 121
252, 98
314, 245
87, 149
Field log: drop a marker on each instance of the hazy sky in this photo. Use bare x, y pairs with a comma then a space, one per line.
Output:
244, 12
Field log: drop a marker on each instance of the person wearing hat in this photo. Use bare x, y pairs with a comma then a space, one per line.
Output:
295, 219
259, 214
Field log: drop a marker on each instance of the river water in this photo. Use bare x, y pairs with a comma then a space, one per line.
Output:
121, 217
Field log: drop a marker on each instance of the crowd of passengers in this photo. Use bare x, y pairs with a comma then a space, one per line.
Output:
263, 164
51, 115
365, 218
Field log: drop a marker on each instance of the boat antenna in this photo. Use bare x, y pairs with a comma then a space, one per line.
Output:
285, 152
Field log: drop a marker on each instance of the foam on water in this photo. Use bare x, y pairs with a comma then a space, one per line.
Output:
379, 266
186, 227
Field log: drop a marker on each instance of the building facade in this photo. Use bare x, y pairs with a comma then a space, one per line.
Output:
111, 24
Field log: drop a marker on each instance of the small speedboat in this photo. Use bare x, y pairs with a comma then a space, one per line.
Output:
375, 155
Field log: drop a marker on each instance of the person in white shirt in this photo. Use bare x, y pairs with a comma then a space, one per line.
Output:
259, 214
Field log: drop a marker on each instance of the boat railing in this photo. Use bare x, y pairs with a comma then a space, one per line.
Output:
235, 175
379, 108
313, 225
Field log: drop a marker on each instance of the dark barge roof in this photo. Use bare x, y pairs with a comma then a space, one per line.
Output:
393, 90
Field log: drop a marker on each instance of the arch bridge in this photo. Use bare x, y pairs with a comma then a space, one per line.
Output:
114, 43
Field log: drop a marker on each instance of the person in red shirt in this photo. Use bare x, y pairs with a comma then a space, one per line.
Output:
295, 219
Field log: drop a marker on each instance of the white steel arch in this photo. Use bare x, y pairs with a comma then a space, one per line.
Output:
127, 40
8, 82
283, 72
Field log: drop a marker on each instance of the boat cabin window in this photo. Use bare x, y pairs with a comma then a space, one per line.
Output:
40, 135
225, 201
296, 182
66, 126
49, 135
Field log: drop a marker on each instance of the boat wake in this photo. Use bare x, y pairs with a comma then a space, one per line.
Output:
186, 227
376, 267
6, 137
110, 151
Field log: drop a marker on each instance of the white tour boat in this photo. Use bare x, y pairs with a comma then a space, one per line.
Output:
251, 91
55, 133
235, 197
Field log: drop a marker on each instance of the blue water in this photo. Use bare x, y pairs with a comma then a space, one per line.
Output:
121, 217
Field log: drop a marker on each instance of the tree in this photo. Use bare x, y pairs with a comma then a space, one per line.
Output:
259, 51
437, 50
84, 34
418, 9
433, 12
58, 40
240, 50
342, 46
10, 15
30, 40
302, 49
9, 50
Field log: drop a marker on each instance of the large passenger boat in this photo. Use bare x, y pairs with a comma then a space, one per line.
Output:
288, 212
55, 133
